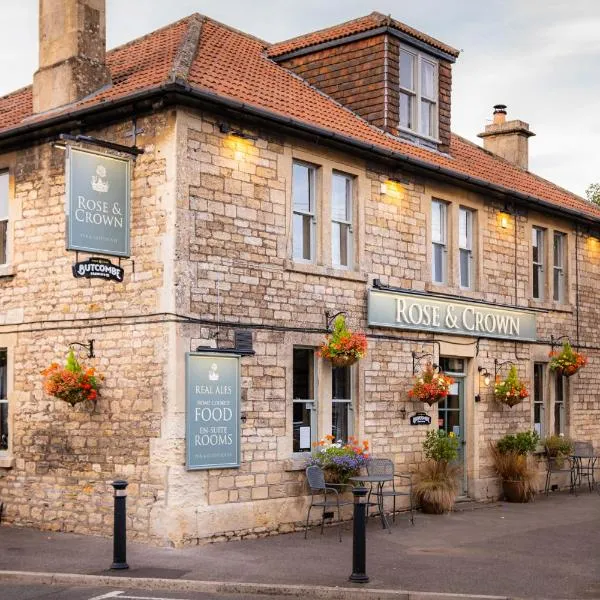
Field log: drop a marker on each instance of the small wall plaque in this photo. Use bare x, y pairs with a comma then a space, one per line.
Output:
98, 268
420, 418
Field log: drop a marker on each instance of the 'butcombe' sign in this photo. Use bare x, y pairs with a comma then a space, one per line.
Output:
407, 311
98, 210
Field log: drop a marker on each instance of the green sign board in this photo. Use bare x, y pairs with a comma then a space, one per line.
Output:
212, 410
98, 203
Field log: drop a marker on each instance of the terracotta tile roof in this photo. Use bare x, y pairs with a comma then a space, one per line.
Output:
234, 66
372, 21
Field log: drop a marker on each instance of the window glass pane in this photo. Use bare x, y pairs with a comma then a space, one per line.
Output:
340, 383
340, 185
301, 188
558, 249
427, 79
438, 263
536, 281
3, 231
407, 70
465, 268
340, 420
437, 222
3, 403
557, 285
4, 195
302, 418
340, 244
426, 127
301, 236
559, 406
303, 376
538, 398
406, 110
465, 235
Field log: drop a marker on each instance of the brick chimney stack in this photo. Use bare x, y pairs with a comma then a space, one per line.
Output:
72, 52
508, 139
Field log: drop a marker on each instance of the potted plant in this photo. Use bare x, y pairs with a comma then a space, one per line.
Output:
339, 461
343, 348
567, 362
511, 456
430, 386
436, 483
558, 448
512, 390
72, 383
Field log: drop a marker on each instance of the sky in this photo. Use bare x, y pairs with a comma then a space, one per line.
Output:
539, 57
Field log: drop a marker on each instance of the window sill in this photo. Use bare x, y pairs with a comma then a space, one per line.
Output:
322, 271
421, 136
7, 271
554, 306
7, 462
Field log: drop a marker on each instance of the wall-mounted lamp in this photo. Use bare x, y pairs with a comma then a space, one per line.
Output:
487, 378
392, 188
227, 129
504, 220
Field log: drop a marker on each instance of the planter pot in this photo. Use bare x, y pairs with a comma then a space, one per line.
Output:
335, 477
342, 360
567, 371
515, 491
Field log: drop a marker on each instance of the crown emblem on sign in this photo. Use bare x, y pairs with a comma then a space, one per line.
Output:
99, 183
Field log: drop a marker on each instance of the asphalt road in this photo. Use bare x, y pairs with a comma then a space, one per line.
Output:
50, 592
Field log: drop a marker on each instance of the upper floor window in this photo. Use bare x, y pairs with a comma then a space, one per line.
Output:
418, 92
537, 246
439, 241
3, 216
559, 281
465, 247
304, 219
341, 220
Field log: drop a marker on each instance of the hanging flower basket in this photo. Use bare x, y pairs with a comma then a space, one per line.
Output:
343, 348
72, 383
567, 362
430, 386
510, 391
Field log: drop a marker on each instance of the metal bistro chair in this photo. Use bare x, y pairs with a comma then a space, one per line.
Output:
561, 465
318, 487
585, 462
385, 466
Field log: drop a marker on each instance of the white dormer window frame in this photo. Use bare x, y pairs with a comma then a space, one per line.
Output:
419, 98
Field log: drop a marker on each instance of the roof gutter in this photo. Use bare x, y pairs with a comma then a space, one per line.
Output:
39, 130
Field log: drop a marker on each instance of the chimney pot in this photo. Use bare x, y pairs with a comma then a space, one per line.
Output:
499, 113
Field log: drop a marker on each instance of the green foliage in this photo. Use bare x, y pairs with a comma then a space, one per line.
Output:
558, 445
522, 443
72, 363
440, 447
593, 193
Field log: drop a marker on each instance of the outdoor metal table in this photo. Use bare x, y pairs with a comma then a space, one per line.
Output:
380, 480
585, 464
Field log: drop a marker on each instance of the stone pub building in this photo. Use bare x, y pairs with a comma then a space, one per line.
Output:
265, 188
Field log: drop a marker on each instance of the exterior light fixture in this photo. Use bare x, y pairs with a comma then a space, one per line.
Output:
392, 188
483, 372
227, 129
504, 220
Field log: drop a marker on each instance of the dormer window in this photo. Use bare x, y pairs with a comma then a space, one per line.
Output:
418, 93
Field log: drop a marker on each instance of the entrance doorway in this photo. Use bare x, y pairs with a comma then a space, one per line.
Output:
451, 412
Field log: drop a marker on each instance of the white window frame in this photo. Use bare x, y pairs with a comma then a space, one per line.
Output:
558, 270
443, 243
313, 401
467, 247
417, 94
312, 212
347, 401
538, 265
343, 223
5, 177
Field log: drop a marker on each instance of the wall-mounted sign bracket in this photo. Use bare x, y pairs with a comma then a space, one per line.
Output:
418, 356
89, 347
498, 364
554, 342
88, 139
330, 318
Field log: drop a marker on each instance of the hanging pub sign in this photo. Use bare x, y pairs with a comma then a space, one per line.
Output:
98, 202
98, 268
212, 410
420, 418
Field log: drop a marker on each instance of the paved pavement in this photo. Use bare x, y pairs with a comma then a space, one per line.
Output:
546, 549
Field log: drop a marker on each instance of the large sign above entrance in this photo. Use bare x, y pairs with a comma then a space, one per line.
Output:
98, 210
408, 311
212, 410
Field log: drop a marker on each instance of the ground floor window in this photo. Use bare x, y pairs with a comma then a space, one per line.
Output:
341, 403
3, 400
559, 404
304, 392
539, 408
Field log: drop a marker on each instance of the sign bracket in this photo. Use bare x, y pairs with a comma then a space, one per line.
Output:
88, 139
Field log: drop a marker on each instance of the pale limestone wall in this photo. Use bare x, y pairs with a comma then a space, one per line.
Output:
61, 461
233, 245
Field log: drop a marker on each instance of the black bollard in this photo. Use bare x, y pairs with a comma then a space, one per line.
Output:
120, 526
359, 537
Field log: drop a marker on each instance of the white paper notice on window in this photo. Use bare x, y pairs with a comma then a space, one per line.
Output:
537, 427
454, 389
304, 438
456, 430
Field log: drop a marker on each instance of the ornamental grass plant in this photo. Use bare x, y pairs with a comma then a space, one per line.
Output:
72, 383
558, 448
